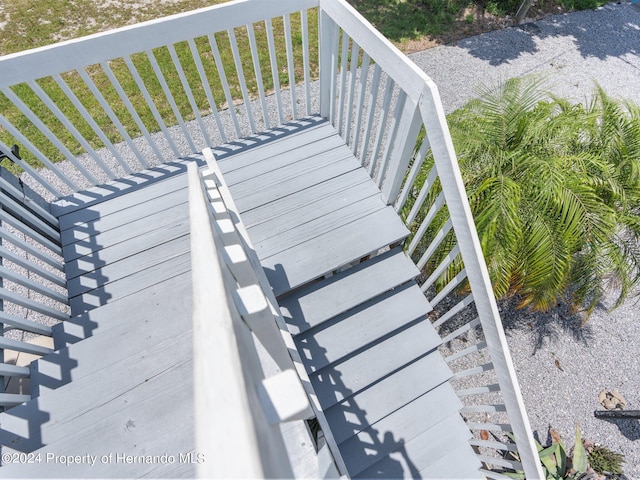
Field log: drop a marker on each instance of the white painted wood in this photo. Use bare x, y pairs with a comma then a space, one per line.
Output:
32, 148
344, 56
439, 270
6, 273
94, 126
11, 399
112, 116
243, 83
27, 217
24, 324
149, 101
401, 155
225, 84
10, 370
359, 112
284, 398
416, 166
235, 431
408, 76
31, 266
26, 167
28, 203
457, 280
121, 42
258, 73
328, 43
355, 56
207, 88
290, 65
274, 68
132, 111
18, 346
187, 90
44, 256
167, 92
371, 113
389, 142
457, 308
435, 243
381, 132
453, 187
304, 26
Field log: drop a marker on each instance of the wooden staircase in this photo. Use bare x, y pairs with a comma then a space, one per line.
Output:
121, 380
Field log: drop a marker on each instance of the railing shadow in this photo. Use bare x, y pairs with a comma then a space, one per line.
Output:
364, 449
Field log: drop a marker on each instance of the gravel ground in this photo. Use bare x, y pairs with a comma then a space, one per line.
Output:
574, 51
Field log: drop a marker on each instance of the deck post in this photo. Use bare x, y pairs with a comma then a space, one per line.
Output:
478, 275
328, 44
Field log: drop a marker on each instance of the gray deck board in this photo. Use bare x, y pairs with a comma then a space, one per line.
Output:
378, 360
407, 423
364, 325
125, 216
81, 405
106, 256
130, 285
124, 310
343, 291
420, 453
424, 374
82, 245
360, 200
92, 273
139, 327
117, 204
460, 462
335, 248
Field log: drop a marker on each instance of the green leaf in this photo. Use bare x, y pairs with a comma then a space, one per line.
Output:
579, 454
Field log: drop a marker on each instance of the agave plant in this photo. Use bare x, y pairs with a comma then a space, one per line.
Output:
555, 191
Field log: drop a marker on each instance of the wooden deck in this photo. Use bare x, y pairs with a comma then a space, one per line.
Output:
122, 381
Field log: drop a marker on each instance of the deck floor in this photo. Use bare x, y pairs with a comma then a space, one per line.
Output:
313, 214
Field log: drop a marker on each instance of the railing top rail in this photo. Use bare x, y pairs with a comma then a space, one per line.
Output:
404, 72
77, 53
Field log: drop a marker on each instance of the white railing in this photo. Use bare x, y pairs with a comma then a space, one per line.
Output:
238, 411
31, 278
119, 101
389, 112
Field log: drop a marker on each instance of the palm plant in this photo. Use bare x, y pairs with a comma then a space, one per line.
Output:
555, 192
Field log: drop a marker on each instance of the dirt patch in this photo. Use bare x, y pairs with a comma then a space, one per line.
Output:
475, 21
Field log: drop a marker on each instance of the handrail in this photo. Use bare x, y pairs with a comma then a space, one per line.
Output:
386, 138
237, 409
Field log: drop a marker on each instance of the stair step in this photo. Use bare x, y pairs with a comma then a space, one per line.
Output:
356, 372
145, 325
365, 325
386, 396
460, 462
341, 292
146, 303
422, 453
332, 249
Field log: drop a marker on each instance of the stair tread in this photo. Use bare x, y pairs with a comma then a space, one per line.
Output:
381, 358
341, 292
426, 373
365, 325
332, 249
404, 458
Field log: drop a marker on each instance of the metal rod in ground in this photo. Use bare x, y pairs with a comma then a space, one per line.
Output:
617, 413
